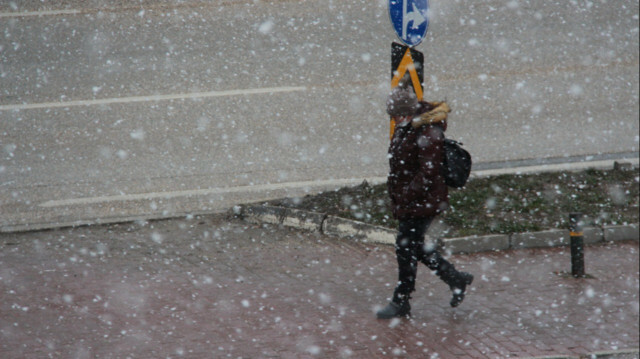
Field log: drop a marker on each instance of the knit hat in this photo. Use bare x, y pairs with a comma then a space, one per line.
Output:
402, 100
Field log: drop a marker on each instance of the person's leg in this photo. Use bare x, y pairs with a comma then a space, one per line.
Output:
408, 245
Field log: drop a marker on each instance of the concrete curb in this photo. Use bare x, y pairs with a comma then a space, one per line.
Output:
341, 227
614, 354
346, 228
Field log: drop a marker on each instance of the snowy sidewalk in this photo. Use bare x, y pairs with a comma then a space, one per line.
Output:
212, 288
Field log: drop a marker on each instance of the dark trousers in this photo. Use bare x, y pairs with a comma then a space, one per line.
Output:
410, 249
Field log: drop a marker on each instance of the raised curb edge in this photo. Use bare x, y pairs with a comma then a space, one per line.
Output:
612, 354
346, 228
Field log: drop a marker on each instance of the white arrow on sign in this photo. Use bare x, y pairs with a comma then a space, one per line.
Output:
414, 16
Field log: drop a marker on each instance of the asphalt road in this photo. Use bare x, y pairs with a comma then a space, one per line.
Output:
110, 110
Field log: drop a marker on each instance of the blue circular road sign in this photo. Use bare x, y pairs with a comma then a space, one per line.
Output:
409, 20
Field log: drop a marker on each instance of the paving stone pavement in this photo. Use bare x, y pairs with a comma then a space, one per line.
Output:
212, 287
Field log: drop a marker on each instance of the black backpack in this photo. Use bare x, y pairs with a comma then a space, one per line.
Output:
456, 164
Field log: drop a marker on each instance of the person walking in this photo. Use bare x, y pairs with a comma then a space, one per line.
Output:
418, 194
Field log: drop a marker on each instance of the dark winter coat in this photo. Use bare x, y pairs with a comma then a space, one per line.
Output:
415, 182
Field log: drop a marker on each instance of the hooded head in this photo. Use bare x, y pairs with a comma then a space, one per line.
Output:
402, 100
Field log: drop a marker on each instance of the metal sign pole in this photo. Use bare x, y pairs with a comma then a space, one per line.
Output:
410, 22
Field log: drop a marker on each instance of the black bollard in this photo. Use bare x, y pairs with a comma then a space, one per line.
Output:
577, 245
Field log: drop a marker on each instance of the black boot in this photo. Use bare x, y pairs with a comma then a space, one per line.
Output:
458, 286
457, 281
399, 307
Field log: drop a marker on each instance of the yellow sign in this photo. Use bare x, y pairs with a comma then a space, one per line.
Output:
406, 64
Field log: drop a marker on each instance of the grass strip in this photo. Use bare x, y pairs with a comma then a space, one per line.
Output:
501, 204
